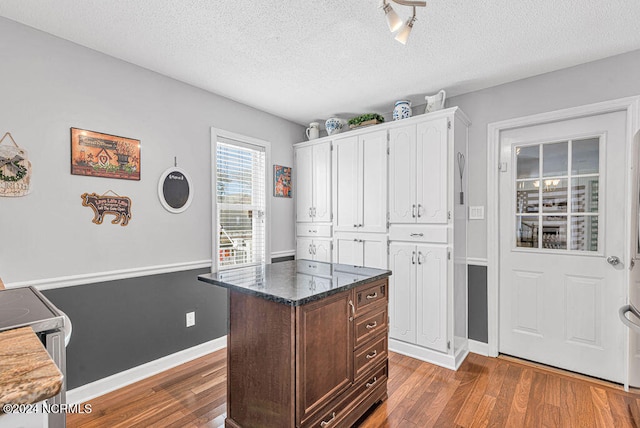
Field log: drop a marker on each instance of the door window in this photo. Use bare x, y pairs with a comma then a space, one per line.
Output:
557, 195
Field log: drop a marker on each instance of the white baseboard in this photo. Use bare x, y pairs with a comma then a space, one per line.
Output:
90, 278
108, 384
419, 353
476, 261
287, 253
480, 348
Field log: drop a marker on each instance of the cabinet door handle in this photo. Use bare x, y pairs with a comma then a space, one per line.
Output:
420, 235
314, 211
373, 382
371, 355
360, 225
413, 210
420, 257
355, 226
310, 212
327, 422
419, 208
372, 296
314, 249
372, 325
310, 245
413, 257
353, 308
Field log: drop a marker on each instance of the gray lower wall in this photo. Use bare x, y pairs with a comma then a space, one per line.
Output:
478, 324
118, 325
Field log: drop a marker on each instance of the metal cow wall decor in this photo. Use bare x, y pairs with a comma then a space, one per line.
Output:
120, 206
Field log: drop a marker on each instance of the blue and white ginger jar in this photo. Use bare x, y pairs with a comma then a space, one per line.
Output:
333, 125
402, 110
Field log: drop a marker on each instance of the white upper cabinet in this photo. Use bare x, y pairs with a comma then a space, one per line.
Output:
418, 172
432, 158
313, 183
360, 183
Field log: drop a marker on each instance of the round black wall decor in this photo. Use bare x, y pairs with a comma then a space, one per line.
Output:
175, 190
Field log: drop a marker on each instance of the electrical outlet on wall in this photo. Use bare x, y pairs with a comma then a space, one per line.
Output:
191, 319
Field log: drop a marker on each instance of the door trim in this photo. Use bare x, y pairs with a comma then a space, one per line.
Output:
629, 105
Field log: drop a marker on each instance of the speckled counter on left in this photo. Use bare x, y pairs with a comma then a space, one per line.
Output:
27, 373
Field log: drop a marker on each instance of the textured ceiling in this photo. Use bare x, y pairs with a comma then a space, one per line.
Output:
307, 60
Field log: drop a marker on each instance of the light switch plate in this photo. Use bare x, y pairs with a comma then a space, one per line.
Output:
191, 319
476, 213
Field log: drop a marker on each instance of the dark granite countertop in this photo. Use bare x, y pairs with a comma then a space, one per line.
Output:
294, 283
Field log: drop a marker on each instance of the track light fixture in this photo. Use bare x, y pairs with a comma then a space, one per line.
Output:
395, 23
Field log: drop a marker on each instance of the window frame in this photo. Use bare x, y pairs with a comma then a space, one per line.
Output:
217, 133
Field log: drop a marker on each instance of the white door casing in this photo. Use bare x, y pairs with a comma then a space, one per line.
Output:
558, 306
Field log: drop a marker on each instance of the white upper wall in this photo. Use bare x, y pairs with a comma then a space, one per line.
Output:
606, 79
48, 85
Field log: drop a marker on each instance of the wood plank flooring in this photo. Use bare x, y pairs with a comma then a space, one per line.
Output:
484, 392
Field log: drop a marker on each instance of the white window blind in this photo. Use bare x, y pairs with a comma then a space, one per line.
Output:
240, 190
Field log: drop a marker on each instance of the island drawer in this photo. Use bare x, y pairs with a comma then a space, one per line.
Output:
334, 414
370, 355
370, 325
310, 229
369, 294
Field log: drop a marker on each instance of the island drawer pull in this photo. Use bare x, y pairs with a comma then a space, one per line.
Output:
325, 423
373, 382
372, 296
372, 325
371, 355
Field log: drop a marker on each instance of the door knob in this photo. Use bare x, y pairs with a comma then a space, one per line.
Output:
613, 260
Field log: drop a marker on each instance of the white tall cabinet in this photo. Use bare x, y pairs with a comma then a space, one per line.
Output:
312, 183
394, 191
427, 235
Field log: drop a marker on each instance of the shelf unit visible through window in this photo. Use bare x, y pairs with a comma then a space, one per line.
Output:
557, 195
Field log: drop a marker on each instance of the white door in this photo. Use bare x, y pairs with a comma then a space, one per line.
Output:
402, 292
322, 182
304, 183
402, 174
373, 176
431, 152
431, 296
562, 202
374, 250
304, 248
322, 250
345, 184
348, 250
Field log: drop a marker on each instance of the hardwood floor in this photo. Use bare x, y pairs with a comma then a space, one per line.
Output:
493, 392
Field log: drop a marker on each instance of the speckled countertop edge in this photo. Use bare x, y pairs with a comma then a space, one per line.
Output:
290, 302
27, 373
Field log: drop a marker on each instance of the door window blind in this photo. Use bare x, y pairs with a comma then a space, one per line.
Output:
240, 190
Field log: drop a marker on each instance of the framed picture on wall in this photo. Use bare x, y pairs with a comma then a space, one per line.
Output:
104, 155
282, 181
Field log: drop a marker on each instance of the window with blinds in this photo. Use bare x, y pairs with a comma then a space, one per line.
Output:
240, 190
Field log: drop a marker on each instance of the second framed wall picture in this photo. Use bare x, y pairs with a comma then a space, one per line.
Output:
282, 181
104, 155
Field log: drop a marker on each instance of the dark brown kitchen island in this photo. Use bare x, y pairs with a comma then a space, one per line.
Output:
307, 343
